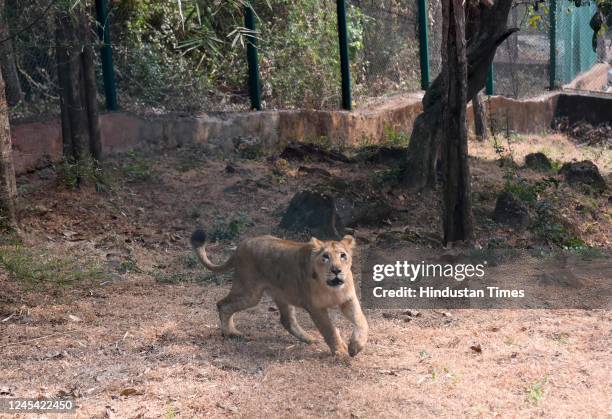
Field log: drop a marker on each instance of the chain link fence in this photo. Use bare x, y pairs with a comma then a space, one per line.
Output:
28, 59
521, 63
573, 37
191, 59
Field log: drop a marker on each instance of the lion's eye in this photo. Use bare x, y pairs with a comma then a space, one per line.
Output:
325, 258
343, 256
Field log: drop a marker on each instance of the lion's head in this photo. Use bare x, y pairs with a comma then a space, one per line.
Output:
332, 260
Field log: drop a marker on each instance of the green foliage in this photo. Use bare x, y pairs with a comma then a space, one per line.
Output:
230, 230
73, 174
548, 227
299, 50
526, 191
34, 267
185, 57
535, 391
395, 137
136, 168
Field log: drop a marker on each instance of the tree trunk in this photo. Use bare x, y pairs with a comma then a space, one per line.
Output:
457, 215
63, 75
8, 188
90, 89
14, 93
485, 29
480, 117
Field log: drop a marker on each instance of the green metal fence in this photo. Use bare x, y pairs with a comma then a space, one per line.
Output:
321, 54
571, 37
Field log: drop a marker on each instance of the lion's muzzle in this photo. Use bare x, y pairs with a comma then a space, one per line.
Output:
335, 282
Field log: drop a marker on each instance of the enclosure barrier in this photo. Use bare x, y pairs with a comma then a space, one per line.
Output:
398, 52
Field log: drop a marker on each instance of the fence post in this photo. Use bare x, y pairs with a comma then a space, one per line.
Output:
552, 35
490, 86
344, 56
253, 60
106, 55
423, 44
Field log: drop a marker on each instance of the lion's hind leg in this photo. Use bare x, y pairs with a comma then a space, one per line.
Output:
237, 300
289, 322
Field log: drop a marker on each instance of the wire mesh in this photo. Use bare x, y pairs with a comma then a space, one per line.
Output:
574, 40
388, 62
32, 58
521, 62
434, 19
157, 70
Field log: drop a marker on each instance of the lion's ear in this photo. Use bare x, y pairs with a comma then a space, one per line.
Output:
316, 244
349, 242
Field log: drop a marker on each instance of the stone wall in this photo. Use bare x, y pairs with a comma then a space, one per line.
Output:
39, 143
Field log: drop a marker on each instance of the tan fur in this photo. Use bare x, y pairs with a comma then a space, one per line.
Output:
294, 275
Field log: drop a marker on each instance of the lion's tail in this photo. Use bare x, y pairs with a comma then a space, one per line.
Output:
198, 239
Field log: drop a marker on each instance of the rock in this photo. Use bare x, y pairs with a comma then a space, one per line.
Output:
312, 152
314, 213
510, 211
538, 161
248, 147
355, 212
313, 171
382, 155
507, 162
46, 173
584, 172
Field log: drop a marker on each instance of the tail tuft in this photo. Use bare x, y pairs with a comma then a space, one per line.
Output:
198, 238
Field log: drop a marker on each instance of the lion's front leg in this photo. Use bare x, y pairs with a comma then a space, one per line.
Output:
352, 310
332, 337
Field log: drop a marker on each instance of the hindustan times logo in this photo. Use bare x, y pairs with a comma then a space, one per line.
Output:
414, 271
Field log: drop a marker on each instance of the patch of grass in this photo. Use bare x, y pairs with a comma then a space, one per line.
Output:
230, 230
535, 391
136, 168
394, 137
195, 213
128, 265
88, 171
547, 227
33, 267
190, 261
526, 191
170, 278
393, 176
555, 165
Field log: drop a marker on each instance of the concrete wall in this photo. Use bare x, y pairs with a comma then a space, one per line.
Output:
38, 143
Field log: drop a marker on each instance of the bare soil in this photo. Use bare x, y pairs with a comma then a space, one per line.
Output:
135, 334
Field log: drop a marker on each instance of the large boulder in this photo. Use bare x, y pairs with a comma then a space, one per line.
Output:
538, 162
313, 213
511, 211
583, 173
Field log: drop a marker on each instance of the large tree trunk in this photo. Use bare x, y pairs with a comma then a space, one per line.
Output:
14, 93
485, 29
78, 92
457, 210
89, 89
63, 75
8, 189
480, 117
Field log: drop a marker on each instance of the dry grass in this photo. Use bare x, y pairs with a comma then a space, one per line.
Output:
127, 330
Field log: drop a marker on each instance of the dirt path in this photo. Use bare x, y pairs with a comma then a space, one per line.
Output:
162, 341
106, 304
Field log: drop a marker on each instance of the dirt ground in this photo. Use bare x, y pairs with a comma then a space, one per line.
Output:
105, 302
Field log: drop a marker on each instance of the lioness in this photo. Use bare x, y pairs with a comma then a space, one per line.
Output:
315, 276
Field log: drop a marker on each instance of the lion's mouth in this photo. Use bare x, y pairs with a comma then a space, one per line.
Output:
335, 282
